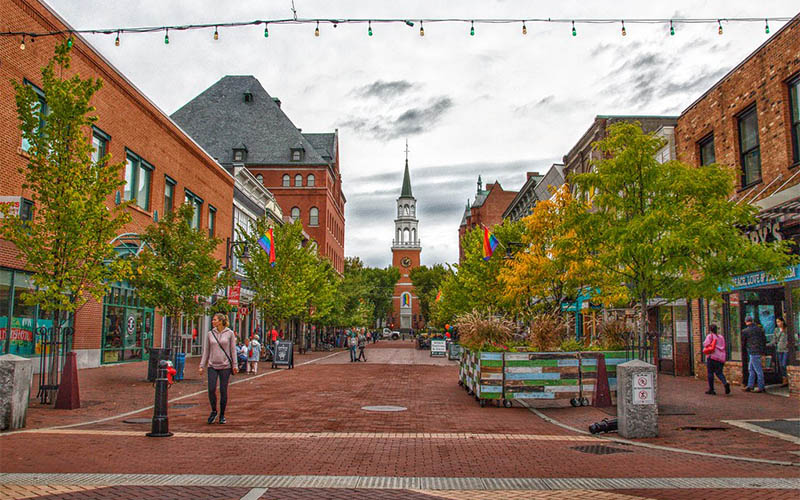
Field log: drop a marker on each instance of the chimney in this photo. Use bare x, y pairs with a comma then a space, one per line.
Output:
277, 101
532, 174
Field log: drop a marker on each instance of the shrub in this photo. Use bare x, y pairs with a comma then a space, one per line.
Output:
547, 331
485, 332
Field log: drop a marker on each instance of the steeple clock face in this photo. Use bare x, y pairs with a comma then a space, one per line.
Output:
406, 262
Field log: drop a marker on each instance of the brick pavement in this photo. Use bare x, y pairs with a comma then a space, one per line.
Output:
46, 492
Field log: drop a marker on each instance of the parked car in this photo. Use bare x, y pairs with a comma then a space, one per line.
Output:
390, 334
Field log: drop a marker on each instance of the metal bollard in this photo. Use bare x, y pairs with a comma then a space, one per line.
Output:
160, 427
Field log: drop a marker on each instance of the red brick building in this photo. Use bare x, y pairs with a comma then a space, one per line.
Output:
166, 165
406, 249
750, 120
487, 210
238, 122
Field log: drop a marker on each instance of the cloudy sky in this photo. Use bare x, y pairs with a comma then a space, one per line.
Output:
496, 104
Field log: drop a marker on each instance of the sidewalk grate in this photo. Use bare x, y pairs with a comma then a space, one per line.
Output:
598, 449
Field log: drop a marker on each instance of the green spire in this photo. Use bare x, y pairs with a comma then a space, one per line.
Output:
406, 193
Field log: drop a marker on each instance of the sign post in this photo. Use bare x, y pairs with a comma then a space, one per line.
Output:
284, 354
438, 348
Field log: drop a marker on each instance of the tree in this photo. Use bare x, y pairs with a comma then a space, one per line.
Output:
379, 289
427, 282
666, 230
67, 245
176, 267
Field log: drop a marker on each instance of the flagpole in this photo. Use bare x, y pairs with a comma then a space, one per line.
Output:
498, 240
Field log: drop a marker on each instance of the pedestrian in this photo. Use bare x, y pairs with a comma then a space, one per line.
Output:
755, 342
219, 349
241, 356
253, 354
781, 344
714, 349
362, 343
352, 342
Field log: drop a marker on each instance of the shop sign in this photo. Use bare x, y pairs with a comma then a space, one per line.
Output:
235, 293
12, 203
17, 334
734, 299
761, 278
642, 387
765, 233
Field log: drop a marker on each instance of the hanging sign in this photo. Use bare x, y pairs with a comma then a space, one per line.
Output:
234, 294
643, 391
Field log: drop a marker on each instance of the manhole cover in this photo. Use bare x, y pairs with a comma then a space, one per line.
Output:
599, 449
137, 421
183, 405
384, 408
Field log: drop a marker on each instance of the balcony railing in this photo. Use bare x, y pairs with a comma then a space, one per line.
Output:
408, 244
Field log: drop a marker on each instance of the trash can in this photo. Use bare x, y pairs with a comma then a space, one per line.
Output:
180, 363
156, 355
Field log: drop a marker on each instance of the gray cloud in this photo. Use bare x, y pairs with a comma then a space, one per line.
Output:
412, 121
384, 90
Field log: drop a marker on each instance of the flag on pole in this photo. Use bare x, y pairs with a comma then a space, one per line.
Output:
267, 242
438, 296
489, 244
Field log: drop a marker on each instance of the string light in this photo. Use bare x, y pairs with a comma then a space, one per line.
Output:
216, 33
719, 31
316, 30
69, 42
766, 26
116, 42
266, 30
574, 31
22, 45
421, 29
166, 37
471, 28
524, 28
369, 30
671, 29
624, 33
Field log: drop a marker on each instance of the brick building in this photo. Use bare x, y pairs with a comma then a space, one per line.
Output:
750, 120
487, 210
166, 166
238, 122
406, 249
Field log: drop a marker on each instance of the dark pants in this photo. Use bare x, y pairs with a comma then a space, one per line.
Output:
715, 368
224, 376
361, 354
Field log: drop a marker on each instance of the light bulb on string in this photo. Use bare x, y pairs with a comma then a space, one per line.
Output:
574, 31
216, 33
316, 30
524, 28
69, 42
166, 37
766, 26
369, 29
421, 29
116, 41
266, 30
624, 33
719, 31
671, 29
22, 45
471, 28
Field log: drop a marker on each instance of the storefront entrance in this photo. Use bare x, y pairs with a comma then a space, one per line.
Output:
127, 326
764, 306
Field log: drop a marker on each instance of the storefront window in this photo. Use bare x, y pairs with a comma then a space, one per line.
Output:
127, 326
734, 339
5, 305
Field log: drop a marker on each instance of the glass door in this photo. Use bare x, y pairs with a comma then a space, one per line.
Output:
666, 340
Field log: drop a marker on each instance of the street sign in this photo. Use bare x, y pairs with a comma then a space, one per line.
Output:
284, 354
438, 347
235, 293
643, 391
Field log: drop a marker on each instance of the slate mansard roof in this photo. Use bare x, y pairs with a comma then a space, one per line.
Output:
220, 118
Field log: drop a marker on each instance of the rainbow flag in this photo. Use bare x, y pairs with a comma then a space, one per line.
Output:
438, 296
489, 244
267, 242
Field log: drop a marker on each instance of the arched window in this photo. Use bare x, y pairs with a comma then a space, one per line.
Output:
398, 236
413, 236
414, 210
298, 180
399, 210
295, 213
405, 207
406, 236
313, 216
285, 180
260, 179
311, 180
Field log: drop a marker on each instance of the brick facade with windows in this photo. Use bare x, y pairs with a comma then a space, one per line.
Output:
487, 210
128, 122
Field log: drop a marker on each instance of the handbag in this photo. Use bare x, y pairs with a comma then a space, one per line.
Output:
233, 366
711, 347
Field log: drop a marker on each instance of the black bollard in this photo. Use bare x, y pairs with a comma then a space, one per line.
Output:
160, 427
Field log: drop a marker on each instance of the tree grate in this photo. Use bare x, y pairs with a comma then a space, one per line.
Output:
598, 449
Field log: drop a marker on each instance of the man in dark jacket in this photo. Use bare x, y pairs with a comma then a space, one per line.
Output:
755, 342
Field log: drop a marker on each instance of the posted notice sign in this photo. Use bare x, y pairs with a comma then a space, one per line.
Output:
643, 391
438, 347
284, 354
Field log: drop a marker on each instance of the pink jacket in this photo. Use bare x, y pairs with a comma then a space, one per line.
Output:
213, 354
719, 350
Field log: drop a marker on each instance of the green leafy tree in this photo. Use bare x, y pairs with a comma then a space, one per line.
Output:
427, 282
176, 267
67, 244
666, 230
380, 287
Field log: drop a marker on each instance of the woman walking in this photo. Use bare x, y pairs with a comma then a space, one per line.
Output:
219, 349
714, 349
780, 341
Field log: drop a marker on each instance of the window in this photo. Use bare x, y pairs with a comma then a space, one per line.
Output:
99, 144
42, 107
260, 179
212, 220
137, 180
298, 180
169, 194
238, 155
707, 155
310, 180
313, 216
248, 97
749, 150
286, 180
295, 213
197, 203
297, 154
794, 103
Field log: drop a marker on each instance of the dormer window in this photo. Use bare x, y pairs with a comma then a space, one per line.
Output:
297, 152
240, 153
248, 97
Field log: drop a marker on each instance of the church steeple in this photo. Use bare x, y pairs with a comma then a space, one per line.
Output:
406, 192
406, 223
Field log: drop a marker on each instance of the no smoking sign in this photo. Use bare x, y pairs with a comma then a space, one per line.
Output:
643, 393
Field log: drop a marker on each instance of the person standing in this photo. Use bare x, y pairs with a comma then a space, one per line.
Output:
781, 343
219, 348
362, 343
755, 342
351, 344
714, 349
253, 354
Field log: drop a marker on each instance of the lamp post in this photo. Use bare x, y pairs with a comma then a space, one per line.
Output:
230, 247
512, 247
